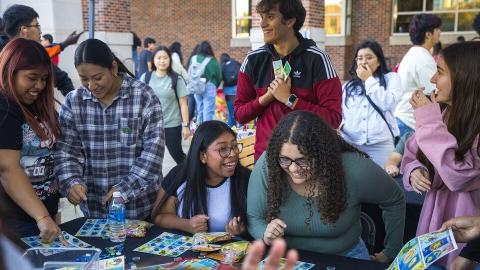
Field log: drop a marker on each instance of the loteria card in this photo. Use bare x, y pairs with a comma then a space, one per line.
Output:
117, 263
300, 265
66, 240
286, 70
422, 251
94, 228
435, 246
278, 68
167, 244
186, 263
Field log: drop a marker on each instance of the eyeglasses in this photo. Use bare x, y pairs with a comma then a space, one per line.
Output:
34, 25
225, 151
368, 58
285, 162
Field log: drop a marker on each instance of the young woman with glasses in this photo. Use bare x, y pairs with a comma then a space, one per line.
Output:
309, 187
369, 100
208, 192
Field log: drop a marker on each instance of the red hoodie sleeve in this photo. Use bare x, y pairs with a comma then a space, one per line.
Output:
329, 107
246, 105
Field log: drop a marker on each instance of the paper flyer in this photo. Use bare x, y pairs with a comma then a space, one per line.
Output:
422, 251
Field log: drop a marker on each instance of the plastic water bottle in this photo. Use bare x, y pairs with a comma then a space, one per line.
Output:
116, 218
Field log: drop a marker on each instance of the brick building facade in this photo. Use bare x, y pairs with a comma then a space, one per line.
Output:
370, 20
191, 22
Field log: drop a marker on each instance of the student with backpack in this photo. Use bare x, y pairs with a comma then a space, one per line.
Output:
171, 90
204, 76
230, 69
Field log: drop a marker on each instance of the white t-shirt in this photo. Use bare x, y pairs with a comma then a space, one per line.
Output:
416, 69
218, 203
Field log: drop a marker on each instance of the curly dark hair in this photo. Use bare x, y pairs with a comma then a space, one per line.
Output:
322, 147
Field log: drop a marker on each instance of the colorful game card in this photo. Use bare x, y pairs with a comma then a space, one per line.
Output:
300, 265
422, 251
186, 263
436, 246
94, 228
167, 244
65, 241
113, 251
117, 263
278, 68
286, 70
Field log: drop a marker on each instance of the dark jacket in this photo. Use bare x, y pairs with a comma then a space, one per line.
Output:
472, 250
314, 82
62, 81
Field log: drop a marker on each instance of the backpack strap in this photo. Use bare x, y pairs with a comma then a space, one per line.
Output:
204, 63
148, 76
395, 138
174, 77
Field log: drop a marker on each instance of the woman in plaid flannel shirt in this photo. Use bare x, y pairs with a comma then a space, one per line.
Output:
113, 137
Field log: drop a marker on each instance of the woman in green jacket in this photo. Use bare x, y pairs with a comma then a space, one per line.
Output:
205, 102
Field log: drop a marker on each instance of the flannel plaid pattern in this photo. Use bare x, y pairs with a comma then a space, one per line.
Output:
120, 146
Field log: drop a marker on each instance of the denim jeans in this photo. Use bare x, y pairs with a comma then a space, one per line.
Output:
403, 128
230, 92
191, 107
359, 251
206, 103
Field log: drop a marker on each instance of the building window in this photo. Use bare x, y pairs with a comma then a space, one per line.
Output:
338, 17
242, 18
456, 15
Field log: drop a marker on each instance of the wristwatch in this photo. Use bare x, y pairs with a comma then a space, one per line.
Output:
184, 124
291, 100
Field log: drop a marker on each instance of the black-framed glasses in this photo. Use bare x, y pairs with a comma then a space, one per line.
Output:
225, 151
34, 25
285, 162
368, 58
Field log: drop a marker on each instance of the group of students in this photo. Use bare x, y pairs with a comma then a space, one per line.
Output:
108, 136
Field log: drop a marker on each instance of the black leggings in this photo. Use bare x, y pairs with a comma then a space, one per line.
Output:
173, 141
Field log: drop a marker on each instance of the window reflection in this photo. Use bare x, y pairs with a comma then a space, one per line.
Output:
243, 18
456, 15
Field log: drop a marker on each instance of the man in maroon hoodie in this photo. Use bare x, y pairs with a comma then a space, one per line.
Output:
312, 84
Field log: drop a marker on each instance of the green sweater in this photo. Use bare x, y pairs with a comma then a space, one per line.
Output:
213, 71
366, 183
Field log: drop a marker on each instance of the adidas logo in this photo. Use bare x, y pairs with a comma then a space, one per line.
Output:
297, 74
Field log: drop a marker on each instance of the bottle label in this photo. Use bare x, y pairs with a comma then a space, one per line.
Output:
117, 215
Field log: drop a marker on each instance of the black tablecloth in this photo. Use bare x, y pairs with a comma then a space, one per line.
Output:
413, 210
321, 261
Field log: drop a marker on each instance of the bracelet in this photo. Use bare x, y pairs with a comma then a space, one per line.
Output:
38, 220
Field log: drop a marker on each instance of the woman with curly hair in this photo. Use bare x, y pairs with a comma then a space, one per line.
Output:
309, 187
